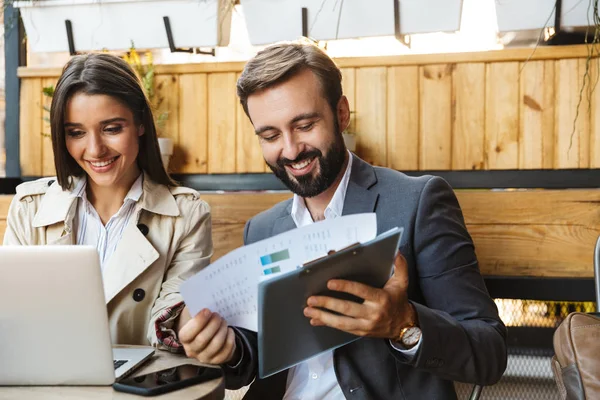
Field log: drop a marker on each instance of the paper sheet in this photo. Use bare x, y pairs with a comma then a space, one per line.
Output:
229, 285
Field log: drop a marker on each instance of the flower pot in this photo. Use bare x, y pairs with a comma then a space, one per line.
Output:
114, 24
271, 21
166, 150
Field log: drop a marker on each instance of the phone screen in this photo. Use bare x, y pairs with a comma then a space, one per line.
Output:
172, 378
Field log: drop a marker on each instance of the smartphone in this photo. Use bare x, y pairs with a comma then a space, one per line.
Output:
167, 380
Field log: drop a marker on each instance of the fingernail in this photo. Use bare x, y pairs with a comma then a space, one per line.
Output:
310, 301
332, 285
206, 312
307, 312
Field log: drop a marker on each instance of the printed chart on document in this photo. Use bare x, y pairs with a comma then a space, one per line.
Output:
229, 285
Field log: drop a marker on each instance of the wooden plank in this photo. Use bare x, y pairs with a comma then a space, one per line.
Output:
536, 115
468, 117
403, 118
572, 116
502, 116
193, 120
47, 152
30, 126
513, 54
435, 117
222, 103
249, 153
534, 250
536, 207
2, 230
595, 115
166, 94
516, 233
4, 205
583, 119
371, 115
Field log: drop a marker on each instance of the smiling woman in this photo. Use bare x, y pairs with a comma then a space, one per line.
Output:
112, 192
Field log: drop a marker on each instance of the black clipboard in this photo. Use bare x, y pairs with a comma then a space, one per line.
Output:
285, 336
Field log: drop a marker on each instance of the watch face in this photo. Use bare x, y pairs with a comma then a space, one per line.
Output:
411, 336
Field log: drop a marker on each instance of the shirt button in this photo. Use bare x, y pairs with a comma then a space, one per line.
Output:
144, 229
315, 376
139, 294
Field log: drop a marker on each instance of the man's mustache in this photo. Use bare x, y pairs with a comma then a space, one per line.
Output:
282, 162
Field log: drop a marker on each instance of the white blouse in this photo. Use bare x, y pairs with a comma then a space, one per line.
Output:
89, 227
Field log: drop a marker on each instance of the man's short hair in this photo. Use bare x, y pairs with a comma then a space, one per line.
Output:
280, 62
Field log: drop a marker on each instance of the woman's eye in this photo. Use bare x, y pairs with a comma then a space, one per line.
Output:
113, 129
75, 134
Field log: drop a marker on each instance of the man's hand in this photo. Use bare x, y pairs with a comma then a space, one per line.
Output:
383, 313
208, 338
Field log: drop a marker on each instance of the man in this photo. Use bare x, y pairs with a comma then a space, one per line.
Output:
432, 323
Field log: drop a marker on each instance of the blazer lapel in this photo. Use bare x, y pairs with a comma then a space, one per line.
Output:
133, 255
359, 199
285, 222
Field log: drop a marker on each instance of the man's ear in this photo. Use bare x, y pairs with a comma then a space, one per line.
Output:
141, 130
343, 113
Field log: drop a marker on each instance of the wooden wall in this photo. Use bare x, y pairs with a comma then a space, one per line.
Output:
516, 233
508, 109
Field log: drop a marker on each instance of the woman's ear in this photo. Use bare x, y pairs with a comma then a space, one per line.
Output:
141, 130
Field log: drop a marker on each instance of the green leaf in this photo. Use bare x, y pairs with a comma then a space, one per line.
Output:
48, 91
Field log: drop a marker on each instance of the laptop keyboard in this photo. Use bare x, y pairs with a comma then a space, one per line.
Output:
118, 363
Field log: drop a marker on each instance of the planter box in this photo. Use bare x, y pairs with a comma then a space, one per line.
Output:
271, 21
517, 15
113, 24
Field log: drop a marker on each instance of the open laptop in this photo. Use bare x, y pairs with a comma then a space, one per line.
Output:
53, 319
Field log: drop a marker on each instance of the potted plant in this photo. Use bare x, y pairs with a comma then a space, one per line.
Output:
111, 24
145, 71
271, 21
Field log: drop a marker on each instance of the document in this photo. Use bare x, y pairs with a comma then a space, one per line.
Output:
229, 285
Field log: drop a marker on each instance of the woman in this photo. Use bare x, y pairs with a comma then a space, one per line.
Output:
112, 192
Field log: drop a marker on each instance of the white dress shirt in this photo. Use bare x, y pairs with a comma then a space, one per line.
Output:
89, 227
315, 378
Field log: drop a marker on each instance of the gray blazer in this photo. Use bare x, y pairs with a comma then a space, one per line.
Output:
463, 337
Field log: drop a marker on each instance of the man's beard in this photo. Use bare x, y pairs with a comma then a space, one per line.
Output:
310, 185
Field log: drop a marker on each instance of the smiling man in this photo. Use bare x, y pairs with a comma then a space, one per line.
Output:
432, 323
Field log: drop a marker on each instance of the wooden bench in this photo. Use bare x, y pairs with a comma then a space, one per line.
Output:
520, 233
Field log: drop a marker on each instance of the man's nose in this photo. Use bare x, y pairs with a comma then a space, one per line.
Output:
291, 148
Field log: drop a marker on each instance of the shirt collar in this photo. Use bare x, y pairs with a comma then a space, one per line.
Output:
57, 204
134, 194
300, 213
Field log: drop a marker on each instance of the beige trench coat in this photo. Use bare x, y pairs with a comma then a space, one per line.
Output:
167, 241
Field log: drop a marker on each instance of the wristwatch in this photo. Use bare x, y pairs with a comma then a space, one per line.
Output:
410, 334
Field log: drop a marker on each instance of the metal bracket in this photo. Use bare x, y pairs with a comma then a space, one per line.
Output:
175, 49
404, 39
70, 40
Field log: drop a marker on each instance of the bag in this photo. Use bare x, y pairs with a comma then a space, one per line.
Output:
576, 365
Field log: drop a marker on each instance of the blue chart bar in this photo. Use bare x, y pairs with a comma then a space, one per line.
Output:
275, 257
272, 270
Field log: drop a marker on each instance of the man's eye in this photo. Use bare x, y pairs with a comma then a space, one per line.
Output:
306, 127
